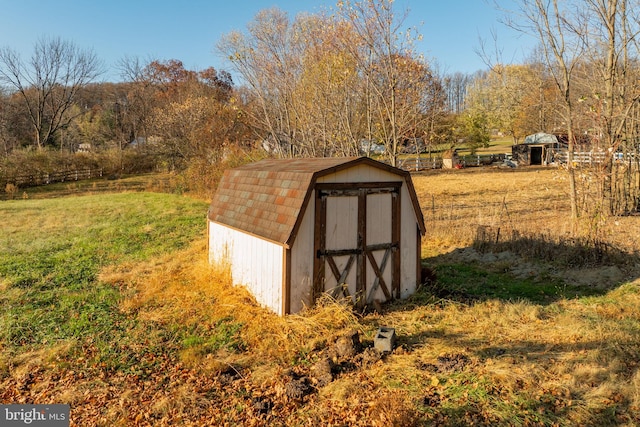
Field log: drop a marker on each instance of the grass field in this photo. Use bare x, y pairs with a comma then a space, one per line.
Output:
107, 303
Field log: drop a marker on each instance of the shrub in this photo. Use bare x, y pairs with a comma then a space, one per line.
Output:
11, 190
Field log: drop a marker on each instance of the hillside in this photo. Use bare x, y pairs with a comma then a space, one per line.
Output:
107, 303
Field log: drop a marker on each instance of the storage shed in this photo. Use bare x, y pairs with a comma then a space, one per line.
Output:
537, 149
294, 229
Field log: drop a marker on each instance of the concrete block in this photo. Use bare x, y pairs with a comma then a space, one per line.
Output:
385, 340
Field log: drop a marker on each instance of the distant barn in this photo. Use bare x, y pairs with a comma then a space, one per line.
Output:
537, 149
294, 229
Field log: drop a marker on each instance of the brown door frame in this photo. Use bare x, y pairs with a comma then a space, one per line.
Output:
363, 252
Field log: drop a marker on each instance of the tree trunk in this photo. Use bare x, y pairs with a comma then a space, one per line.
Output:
573, 193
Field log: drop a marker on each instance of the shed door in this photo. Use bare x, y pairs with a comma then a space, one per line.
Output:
357, 241
536, 155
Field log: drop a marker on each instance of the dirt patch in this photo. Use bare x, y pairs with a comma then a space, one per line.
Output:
347, 354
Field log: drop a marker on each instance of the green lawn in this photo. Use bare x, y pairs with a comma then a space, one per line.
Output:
52, 251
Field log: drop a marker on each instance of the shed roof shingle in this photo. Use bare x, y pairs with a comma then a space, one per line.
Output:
265, 198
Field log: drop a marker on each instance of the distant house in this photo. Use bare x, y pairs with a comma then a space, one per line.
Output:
84, 147
370, 147
138, 141
142, 141
294, 229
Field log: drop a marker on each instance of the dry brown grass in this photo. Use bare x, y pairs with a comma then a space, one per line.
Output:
573, 362
492, 362
455, 203
152, 182
183, 288
532, 201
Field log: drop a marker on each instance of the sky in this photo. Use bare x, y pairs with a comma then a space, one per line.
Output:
188, 30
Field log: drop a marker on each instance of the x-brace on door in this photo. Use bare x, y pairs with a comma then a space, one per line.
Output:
357, 241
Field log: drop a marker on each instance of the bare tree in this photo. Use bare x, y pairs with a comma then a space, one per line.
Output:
268, 62
4, 123
614, 87
379, 30
321, 84
560, 30
49, 82
455, 86
591, 46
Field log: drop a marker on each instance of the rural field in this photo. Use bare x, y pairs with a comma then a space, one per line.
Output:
107, 303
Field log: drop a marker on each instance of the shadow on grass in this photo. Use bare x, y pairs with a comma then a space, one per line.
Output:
476, 379
475, 281
540, 269
476, 387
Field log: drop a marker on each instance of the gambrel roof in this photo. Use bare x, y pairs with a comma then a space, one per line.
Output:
267, 198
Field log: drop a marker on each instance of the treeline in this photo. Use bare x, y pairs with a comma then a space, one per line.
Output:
317, 85
163, 117
338, 84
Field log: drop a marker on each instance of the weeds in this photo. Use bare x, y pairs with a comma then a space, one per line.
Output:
569, 251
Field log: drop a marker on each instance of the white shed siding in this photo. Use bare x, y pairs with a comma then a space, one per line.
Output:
302, 257
409, 276
257, 263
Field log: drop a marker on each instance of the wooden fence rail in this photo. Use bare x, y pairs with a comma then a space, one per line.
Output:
417, 164
43, 178
481, 159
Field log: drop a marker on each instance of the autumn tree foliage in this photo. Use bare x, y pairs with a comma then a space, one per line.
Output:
189, 118
326, 96
318, 85
321, 84
333, 82
506, 96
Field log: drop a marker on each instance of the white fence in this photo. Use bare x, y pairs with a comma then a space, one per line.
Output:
594, 157
418, 164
